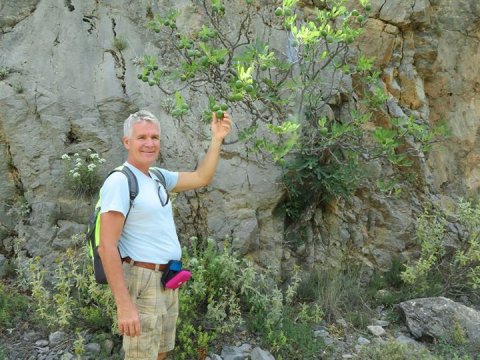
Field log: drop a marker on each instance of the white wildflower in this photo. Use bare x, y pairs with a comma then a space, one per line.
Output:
65, 157
91, 167
75, 175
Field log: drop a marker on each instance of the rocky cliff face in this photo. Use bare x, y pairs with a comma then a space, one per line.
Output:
68, 88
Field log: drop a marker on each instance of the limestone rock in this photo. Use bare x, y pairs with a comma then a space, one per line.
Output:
440, 318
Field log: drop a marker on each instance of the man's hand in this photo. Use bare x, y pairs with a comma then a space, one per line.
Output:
128, 319
221, 127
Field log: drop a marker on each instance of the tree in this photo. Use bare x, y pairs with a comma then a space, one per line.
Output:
295, 98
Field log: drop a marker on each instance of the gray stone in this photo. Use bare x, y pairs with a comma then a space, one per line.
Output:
376, 330
233, 353
3, 266
41, 343
56, 338
363, 341
93, 348
259, 354
108, 346
439, 317
402, 339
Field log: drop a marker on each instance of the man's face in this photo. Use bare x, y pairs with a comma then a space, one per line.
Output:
143, 145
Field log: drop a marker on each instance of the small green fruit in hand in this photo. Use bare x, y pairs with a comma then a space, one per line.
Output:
278, 11
216, 107
219, 114
224, 107
287, 12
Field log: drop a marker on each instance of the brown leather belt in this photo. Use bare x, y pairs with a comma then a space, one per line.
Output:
146, 265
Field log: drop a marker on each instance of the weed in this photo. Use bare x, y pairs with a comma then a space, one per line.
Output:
19, 88
12, 306
76, 297
393, 350
4, 72
120, 43
441, 269
338, 292
225, 291
82, 172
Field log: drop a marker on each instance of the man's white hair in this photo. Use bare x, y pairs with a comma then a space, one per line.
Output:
139, 116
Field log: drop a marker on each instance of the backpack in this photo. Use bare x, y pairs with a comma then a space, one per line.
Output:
93, 229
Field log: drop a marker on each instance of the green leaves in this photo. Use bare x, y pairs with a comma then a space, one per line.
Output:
304, 79
181, 107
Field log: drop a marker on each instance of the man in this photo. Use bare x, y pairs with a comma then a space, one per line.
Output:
147, 312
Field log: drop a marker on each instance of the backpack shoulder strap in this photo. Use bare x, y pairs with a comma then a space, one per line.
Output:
158, 173
132, 181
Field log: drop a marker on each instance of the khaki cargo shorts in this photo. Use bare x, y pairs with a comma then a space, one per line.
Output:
158, 311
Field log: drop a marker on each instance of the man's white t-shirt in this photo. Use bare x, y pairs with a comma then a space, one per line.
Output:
149, 234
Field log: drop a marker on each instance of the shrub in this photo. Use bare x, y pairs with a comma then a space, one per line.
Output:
393, 350
451, 269
12, 306
71, 294
340, 293
82, 172
224, 291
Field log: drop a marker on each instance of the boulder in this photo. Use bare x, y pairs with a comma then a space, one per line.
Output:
440, 318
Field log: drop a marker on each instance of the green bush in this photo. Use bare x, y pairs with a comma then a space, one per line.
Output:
445, 267
81, 172
13, 305
393, 350
71, 294
339, 292
226, 293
